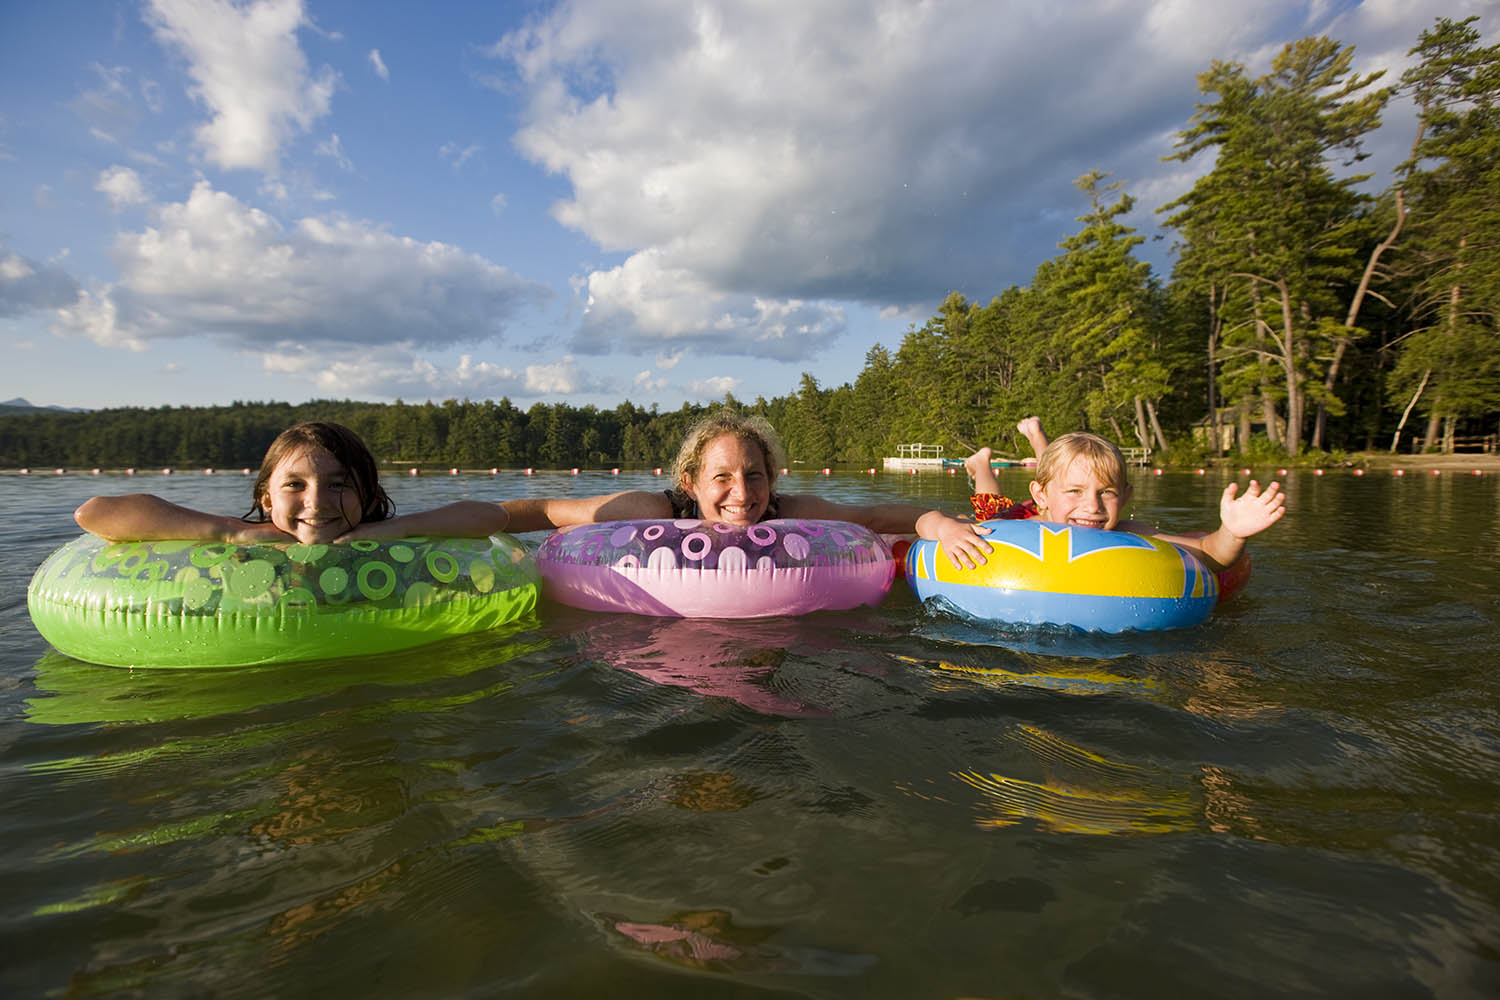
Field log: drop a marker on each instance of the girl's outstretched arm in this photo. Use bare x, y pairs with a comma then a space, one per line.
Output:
542, 513
962, 541
461, 519
143, 517
1240, 517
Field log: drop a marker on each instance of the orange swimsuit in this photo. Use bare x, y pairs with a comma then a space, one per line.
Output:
995, 507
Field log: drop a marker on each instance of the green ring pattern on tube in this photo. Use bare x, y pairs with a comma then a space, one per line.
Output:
205, 604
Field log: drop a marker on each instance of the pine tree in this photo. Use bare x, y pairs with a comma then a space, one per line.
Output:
1276, 219
1454, 177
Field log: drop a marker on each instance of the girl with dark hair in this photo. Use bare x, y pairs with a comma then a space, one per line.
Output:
317, 484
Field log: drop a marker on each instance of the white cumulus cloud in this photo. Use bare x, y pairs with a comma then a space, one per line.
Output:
212, 265
393, 371
378, 65
249, 71
559, 378
643, 305
777, 155
647, 382
122, 186
713, 388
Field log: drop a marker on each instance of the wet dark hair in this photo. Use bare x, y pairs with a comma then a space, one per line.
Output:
346, 448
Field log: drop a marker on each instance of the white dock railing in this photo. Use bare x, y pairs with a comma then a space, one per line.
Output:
916, 456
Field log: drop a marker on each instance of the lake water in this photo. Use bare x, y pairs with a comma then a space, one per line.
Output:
1299, 798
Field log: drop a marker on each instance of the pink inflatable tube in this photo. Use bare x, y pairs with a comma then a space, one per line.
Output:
705, 569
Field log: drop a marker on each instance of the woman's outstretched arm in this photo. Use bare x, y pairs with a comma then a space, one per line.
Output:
542, 513
144, 517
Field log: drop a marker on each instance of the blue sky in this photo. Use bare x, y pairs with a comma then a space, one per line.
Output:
655, 200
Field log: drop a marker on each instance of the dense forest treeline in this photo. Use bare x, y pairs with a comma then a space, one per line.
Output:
465, 434
1302, 313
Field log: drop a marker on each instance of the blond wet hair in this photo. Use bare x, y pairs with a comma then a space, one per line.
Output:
1102, 458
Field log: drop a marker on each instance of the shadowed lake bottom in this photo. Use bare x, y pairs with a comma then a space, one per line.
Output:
1299, 798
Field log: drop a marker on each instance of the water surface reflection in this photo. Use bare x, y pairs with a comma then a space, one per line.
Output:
1296, 798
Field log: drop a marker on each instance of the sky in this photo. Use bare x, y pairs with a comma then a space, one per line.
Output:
660, 201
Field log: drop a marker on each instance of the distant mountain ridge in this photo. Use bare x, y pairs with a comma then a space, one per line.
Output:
21, 405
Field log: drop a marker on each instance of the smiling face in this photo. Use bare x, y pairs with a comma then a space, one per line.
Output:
309, 495
1080, 495
732, 484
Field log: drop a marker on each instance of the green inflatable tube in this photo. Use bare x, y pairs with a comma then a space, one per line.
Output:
204, 604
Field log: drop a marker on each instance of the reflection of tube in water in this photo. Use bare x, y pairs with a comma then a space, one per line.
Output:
71, 691
1082, 792
715, 658
1086, 680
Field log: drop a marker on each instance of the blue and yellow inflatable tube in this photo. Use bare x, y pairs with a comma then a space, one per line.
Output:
1041, 573
204, 604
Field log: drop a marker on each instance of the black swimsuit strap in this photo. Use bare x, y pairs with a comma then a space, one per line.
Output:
683, 506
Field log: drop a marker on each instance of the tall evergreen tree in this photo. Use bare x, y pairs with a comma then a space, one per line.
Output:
1104, 324
807, 434
1281, 223
1454, 175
